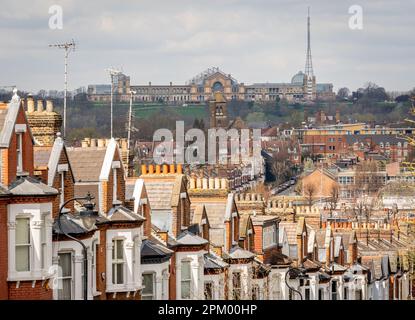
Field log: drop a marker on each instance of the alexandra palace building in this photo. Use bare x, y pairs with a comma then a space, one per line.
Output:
201, 88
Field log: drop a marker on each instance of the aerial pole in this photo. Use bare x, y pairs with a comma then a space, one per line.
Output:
130, 114
113, 72
68, 46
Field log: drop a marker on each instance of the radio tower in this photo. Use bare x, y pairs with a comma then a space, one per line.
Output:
309, 62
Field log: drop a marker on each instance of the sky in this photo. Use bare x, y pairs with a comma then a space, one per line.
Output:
173, 40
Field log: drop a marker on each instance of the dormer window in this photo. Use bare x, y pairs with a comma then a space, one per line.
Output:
20, 129
62, 168
115, 165
19, 152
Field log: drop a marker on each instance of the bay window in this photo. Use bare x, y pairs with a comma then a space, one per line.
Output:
23, 244
236, 286
19, 151
65, 279
149, 282
43, 242
208, 291
118, 261
186, 279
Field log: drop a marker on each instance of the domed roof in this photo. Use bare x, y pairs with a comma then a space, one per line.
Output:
298, 78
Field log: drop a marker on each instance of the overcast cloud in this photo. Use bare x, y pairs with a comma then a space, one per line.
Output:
173, 40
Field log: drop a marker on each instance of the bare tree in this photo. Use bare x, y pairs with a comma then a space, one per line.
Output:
310, 191
334, 198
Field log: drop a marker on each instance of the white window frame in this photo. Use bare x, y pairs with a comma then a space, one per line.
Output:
164, 284
189, 280
94, 250
19, 151
71, 277
116, 261
153, 294
237, 288
44, 241
28, 245
62, 168
115, 165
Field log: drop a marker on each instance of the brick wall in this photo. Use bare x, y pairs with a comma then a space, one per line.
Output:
258, 241
9, 161
3, 250
27, 291
172, 278
68, 186
101, 263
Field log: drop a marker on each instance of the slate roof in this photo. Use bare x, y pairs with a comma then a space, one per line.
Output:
30, 186
86, 163
81, 190
198, 213
214, 262
187, 238
152, 252
311, 265
374, 262
375, 138
216, 214
291, 231
237, 252
3, 191
163, 191
8, 116
277, 259
120, 213
3, 115
337, 243
68, 225
243, 225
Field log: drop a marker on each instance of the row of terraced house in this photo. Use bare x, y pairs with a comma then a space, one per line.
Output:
164, 234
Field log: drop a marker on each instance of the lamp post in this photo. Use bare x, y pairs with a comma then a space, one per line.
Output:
88, 217
298, 273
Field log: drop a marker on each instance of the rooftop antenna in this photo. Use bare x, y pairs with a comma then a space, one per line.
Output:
112, 72
68, 46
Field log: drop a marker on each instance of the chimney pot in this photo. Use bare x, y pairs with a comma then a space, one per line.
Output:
93, 142
101, 143
151, 169
84, 144
30, 104
40, 105
158, 169
172, 168
143, 169
49, 106
165, 169
179, 168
